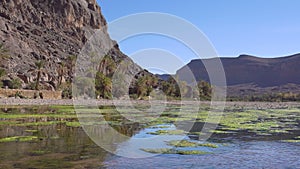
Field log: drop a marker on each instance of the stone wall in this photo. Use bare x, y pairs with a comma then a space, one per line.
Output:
30, 94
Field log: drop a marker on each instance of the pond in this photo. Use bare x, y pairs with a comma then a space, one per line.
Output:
106, 137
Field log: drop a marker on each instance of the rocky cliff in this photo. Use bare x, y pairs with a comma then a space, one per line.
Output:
48, 30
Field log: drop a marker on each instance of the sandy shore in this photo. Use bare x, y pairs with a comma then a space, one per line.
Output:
256, 105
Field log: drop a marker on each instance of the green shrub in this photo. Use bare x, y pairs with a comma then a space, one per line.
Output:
15, 84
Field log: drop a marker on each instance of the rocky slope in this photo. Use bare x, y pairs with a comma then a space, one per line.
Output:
245, 69
48, 30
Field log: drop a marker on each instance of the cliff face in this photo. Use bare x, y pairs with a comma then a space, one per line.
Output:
48, 30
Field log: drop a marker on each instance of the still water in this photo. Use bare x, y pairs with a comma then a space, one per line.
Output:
54, 139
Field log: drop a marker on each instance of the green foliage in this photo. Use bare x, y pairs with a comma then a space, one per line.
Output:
176, 88
2, 73
107, 66
19, 95
182, 143
119, 86
71, 62
82, 86
167, 132
66, 89
31, 86
103, 86
268, 97
18, 138
73, 124
205, 90
39, 70
39, 65
15, 84
185, 143
184, 89
291, 141
4, 53
61, 71
143, 86
170, 87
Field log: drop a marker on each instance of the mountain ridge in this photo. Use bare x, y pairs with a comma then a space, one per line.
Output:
245, 69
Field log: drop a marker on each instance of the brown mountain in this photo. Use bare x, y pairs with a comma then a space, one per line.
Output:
51, 31
246, 69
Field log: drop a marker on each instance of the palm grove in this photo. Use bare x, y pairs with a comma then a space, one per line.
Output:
140, 88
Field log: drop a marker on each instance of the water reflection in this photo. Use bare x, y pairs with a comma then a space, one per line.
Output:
235, 155
57, 145
62, 143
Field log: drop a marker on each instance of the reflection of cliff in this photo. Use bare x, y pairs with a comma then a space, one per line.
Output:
114, 130
56, 143
190, 126
122, 125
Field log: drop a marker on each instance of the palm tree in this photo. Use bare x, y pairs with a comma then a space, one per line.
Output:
3, 51
107, 65
182, 88
107, 87
15, 84
205, 90
2, 73
103, 86
39, 69
72, 62
170, 87
72, 59
119, 84
82, 86
141, 87
4, 54
61, 71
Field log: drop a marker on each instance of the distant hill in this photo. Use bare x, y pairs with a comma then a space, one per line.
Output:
246, 69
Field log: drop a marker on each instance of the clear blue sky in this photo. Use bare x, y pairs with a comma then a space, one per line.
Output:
265, 28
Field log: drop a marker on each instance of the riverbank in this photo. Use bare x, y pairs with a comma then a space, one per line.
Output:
36, 102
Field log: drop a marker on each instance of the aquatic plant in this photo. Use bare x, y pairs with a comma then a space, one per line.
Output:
73, 124
291, 141
186, 143
18, 138
182, 143
31, 131
173, 151
167, 132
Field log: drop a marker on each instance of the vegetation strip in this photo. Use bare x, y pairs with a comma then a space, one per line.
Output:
172, 151
18, 138
185, 143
